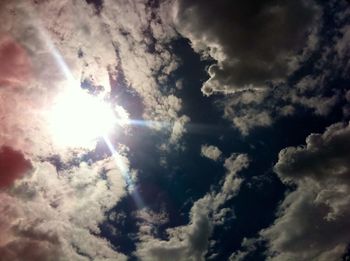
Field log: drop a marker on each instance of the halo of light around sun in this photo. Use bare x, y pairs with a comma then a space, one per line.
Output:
78, 119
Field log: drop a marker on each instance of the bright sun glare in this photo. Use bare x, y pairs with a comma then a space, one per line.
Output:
78, 119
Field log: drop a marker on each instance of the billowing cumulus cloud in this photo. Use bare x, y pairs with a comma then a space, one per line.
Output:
259, 49
191, 242
253, 42
54, 216
313, 220
211, 152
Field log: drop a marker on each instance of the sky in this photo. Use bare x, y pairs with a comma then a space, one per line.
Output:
183, 130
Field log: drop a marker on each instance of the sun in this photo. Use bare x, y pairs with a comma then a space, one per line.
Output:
78, 119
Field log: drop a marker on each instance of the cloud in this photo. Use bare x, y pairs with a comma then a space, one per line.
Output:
255, 46
15, 68
313, 220
264, 53
210, 152
250, 119
188, 242
252, 43
12, 166
22, 110
141, 34
51, 47
21, 124
179, 129
50, 215
191, 241
55, 216
249, 245
56, 42
150, 217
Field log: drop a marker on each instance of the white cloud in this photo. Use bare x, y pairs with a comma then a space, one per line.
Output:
249, 245
52, 54
141, 35
55, 216
191, 242
150, 217
211, 152
313, 220
51, 42
58, 213
179, 129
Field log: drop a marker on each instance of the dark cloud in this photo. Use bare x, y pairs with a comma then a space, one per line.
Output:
252, 41
13, 165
